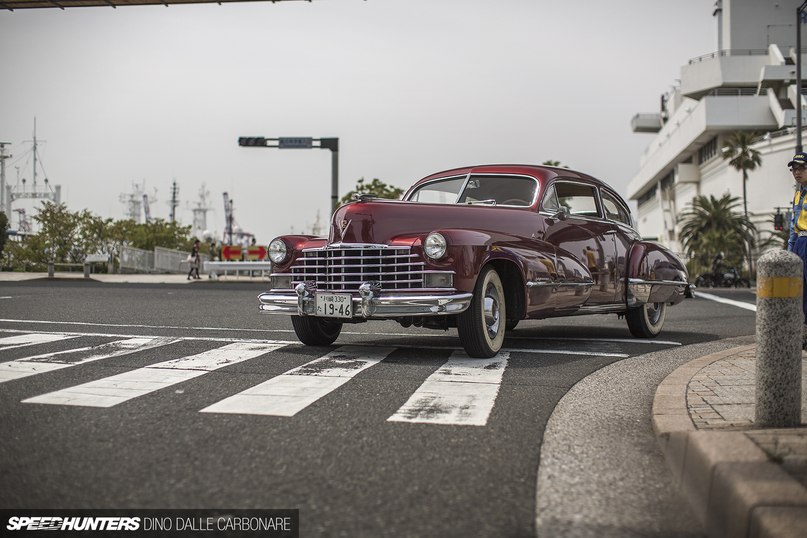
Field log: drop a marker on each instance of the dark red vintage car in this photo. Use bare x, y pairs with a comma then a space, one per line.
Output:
479, 249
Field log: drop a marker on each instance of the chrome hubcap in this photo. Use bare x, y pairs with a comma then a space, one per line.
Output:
653, 313
490, 312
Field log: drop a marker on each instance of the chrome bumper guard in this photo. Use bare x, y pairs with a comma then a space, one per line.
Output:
369, 304
656, 291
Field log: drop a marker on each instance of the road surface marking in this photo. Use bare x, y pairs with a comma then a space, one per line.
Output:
117, 389
29, 339
715, 298
461, 392
291, 392
49, 362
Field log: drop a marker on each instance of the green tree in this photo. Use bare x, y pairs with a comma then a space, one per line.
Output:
743, 158
58, 231
713, 225
376, 188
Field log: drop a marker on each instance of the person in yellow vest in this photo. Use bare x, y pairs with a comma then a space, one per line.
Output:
797, 243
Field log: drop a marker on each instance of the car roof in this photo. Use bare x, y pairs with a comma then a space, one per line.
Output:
540, 172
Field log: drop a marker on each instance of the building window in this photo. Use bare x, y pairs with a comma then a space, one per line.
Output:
707, 151
648, 196
667, 181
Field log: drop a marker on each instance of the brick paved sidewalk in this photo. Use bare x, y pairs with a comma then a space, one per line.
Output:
739, 479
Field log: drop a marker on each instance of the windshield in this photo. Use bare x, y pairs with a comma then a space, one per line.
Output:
489, 190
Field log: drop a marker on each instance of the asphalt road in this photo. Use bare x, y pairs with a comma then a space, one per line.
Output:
350, 460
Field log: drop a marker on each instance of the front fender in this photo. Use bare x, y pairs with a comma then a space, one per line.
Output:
524, 264
655, 275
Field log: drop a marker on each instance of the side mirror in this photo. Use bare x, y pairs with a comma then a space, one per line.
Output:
562, 214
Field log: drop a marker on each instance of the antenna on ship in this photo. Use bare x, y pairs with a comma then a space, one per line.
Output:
200, 209
136, 200
10, 194
316, 229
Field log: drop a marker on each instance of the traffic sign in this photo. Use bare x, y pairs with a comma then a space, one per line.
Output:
231, 253
292, 142
256, 253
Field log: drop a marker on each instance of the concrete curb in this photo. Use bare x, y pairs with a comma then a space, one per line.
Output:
129, 278
732, 485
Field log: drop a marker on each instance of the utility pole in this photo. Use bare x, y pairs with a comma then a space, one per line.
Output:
174, 200
799, 107
3, 158
228, 218
146, 208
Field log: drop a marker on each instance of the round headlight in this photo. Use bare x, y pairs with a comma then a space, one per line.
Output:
435, 246
277, 251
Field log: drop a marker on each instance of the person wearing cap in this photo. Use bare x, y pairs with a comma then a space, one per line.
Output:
797, 242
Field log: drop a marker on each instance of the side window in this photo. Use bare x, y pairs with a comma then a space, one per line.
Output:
550, 203
615, 210
579, 199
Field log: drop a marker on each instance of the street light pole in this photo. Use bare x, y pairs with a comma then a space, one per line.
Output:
799, 108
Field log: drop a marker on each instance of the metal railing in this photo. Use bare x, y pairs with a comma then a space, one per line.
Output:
732, 92
136, 260
729, 52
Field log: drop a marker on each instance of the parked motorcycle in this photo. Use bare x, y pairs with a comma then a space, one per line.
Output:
722, 279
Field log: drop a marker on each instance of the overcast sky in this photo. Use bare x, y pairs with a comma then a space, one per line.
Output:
150, 94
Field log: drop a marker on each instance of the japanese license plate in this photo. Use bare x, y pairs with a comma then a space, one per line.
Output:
334, 305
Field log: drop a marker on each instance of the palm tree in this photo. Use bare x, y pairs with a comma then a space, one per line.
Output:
743, 158
712, 225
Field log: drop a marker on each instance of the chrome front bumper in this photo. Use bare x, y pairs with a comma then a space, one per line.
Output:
369, 304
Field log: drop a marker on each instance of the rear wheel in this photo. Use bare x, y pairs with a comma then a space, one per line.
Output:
316, 331
482, 326
647, 320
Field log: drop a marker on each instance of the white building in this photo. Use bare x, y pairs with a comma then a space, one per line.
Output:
749, 84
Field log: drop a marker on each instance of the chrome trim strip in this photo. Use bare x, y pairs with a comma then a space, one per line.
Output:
640, 281
347, 246
556, 283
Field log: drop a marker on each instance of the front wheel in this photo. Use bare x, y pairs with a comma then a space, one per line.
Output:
482, 326
647, 320
316, 331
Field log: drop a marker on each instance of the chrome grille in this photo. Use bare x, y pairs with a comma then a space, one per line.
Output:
345, 268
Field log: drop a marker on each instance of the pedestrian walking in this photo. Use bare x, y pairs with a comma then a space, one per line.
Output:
194, 261
797, 242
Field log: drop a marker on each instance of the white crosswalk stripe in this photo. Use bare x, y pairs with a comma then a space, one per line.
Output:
21, 340
58, 360
117, 389
291, 392
461, 392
